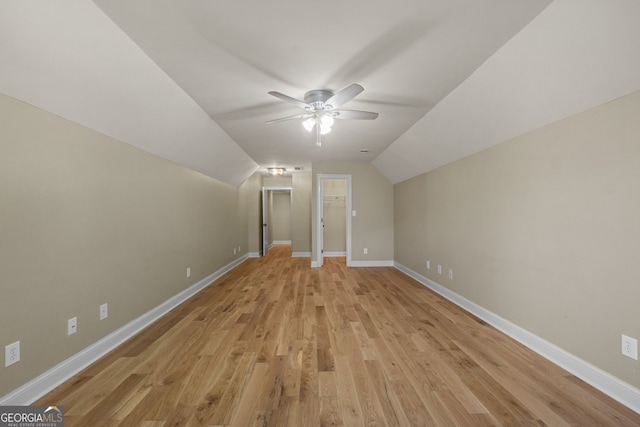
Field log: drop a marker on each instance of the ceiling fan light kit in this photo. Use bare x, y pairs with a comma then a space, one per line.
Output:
321, 105
276, 171
325, 124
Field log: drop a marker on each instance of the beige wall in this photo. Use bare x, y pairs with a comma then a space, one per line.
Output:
252, 194
301, 213
372, 198
276, 181
543, 230
280, 219
86, 220
270, 214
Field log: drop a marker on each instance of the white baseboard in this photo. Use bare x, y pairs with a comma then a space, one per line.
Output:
253, 255
281, 242
380, 263
300, 254
617, 389
47, 381
335, 253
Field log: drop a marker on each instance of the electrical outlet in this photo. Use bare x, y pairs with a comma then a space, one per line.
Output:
11, 354
104, 311
365, 251
451, 274
428, 265
188, 271
630, 347
439, 269
72, 326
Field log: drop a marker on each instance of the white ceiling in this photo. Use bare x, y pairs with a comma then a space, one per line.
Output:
188, 80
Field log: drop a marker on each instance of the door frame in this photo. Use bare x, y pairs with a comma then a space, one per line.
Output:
320, 216
265, 214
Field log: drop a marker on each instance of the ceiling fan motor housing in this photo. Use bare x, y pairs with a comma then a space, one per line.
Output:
316, 98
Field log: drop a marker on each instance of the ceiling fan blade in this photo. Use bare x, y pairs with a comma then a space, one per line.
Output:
284, 119
353, 115
345, 95
291, 100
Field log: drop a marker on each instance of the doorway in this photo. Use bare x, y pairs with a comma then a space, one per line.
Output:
276, 217
334, 207
333, 233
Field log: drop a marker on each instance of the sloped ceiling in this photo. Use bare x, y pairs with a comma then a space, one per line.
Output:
188, 80
70, 59
574, 56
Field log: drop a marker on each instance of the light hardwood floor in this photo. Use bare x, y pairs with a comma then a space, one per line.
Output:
277, 343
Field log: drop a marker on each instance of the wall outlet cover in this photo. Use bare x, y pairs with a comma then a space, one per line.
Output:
11, 354
629, 347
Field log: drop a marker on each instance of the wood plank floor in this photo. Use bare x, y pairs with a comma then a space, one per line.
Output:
277, 343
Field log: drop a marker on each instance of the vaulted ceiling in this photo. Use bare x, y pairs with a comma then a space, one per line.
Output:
188, 80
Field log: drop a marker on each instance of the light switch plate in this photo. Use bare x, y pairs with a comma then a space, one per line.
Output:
72, 326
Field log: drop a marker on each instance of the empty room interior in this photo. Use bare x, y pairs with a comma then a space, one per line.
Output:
337, 213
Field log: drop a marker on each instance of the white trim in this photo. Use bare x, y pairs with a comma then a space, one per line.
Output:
253, 255
314, 264
615, 388
335, 253
380, 263
47, 381
281, 242
300, 254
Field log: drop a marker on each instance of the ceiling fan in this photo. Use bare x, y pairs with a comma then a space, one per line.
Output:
321, 109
